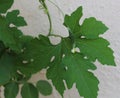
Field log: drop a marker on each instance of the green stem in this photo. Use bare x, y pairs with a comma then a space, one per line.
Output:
48, 14
50, 29
49, 17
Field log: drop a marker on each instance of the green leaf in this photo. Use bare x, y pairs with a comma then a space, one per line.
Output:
24, 40
37, 55
44, 87
7, 68
10, 36
96, 49
77, 72
92, 28
34, 54
3, 22
72, 22
29, 91
56, 70
72, 68
5, 5
11, 90
74, 64
13, 18
55, 73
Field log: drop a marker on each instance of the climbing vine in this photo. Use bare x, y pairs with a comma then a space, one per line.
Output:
71, 61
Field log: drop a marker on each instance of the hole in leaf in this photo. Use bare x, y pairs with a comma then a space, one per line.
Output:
74, 50
31, 60
23, 49
52, 59
85, 57
77, 49
11, 25
82, 36
24, 62
63, 55
66, 68
19, 72
64, 81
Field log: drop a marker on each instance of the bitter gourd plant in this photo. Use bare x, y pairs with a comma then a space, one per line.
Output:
71, 61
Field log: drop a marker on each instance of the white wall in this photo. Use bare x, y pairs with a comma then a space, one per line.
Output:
106, 10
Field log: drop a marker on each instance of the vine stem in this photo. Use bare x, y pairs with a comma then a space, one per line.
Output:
43, 3
48, 14
50, 29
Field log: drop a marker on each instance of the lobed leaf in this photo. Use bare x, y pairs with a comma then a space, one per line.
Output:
77, 72
92, 28
10, 35
14, 19
35, 54
73, 68
96, 49
72, 21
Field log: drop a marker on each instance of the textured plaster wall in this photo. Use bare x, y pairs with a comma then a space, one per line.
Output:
106, 10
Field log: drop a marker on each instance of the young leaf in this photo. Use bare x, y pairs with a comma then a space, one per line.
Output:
44, 87
7, 68
29, 91
77, 72
5, 5
11, 90
13, 18
96, 49
92, 28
